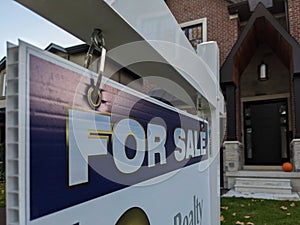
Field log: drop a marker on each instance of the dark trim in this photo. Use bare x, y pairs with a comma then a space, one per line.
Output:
230, 97
55, 48
243, 9
287, 17
3, 63
260, 11
240, 8
82, 48
73, 50
297, 104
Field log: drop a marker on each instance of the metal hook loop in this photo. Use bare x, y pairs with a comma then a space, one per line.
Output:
98, 43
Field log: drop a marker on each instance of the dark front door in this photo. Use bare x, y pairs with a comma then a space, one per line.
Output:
265, 132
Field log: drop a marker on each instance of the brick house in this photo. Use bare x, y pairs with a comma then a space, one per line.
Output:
260, 79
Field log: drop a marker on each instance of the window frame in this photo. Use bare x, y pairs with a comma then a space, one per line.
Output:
202, 21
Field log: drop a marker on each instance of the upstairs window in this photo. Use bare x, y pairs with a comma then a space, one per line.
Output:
4, 84
195, 31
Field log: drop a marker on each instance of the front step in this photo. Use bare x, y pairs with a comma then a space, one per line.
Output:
262, 185
262, 168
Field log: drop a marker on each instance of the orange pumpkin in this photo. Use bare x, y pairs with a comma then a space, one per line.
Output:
287, 167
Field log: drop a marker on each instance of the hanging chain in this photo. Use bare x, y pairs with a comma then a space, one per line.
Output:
98, 43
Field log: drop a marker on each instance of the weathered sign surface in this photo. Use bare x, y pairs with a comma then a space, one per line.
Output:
134, 159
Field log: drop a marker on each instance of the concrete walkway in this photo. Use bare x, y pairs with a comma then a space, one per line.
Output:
290, 197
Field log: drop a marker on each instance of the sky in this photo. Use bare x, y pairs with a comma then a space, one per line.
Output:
18, 22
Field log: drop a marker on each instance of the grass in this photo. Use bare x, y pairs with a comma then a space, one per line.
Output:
246, 211
2, 194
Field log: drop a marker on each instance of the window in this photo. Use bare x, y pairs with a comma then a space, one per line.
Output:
195, 31
4, 85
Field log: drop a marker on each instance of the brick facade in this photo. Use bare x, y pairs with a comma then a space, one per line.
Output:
225, 31
294, 21
294, 26
220, 27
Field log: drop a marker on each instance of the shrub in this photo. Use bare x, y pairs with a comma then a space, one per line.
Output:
2, 176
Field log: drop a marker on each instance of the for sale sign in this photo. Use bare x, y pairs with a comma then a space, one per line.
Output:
135, 160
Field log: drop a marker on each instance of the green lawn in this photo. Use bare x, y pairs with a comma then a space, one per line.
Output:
246, 211
2, 194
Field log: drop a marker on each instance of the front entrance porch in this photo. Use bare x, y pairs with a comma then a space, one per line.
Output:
263, 109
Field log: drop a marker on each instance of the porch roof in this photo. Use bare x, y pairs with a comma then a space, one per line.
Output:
262, 28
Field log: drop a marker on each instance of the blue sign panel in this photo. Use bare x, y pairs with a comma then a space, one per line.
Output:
77, 155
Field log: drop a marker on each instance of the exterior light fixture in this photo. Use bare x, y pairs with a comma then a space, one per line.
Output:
263, 71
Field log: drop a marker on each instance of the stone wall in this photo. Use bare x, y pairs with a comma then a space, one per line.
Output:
233, 158
295, 150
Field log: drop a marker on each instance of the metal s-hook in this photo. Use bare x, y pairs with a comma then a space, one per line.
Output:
98, 43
